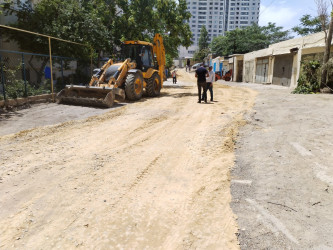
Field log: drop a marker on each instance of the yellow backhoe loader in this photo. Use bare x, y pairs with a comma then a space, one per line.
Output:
143, 67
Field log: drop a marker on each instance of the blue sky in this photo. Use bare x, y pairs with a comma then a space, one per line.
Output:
285, 13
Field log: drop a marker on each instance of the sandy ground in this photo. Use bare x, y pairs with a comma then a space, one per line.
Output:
282, 182
154, 174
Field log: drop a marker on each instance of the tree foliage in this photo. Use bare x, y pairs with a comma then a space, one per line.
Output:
66, 19
141, 19
100, 24
199, 55
203, 39
308, 81
203, 50
249, 39
308, 25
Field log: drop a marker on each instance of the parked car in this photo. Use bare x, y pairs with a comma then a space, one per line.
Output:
195, 66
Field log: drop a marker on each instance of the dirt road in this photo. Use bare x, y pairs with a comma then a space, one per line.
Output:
148, 175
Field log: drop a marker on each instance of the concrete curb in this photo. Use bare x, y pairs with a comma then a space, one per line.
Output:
28, 100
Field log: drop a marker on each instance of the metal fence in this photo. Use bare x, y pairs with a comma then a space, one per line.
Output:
26, 74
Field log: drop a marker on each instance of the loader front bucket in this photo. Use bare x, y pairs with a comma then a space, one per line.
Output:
90, 96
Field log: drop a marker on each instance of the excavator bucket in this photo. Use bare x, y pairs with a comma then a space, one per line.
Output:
90, 95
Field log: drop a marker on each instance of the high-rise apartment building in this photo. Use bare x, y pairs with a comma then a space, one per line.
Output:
219, 16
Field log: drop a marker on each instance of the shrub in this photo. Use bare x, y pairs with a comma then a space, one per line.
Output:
15, 88
309, 79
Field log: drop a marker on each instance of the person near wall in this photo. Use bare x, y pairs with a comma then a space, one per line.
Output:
201, 73
210, 79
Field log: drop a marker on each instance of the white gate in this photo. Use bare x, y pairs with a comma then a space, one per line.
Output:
261, 70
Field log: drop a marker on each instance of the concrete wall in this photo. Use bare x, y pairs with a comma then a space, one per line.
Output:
29, 100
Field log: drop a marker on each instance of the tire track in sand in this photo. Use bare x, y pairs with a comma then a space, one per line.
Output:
155, 176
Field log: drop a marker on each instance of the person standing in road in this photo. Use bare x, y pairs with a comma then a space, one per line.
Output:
174, 76
188, 65
201, 73
210, 80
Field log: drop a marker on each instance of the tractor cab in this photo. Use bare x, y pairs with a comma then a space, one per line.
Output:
141, 54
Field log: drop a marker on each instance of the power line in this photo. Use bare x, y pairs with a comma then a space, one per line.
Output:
267, 7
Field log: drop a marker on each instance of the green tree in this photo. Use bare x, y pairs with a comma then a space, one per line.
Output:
142, 19
203, 50
100, 24
308, 25
73, 20
251, 38
199, 55
203, 39
2, 5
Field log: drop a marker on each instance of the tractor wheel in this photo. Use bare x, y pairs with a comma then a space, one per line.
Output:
134, 86
153, 87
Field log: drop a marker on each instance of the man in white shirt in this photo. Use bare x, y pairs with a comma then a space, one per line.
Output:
210, 79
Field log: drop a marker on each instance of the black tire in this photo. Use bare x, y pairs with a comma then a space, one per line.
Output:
134, 86
153, 87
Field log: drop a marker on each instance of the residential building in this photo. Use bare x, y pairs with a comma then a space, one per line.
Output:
218, 16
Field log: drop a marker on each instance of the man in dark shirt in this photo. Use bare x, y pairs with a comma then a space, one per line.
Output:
201, 73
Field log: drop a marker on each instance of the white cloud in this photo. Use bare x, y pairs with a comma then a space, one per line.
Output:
282, 16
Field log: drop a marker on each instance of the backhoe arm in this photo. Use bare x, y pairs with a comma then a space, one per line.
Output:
159, 51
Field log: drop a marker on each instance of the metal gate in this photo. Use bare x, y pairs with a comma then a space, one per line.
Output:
283, 66
262, 70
